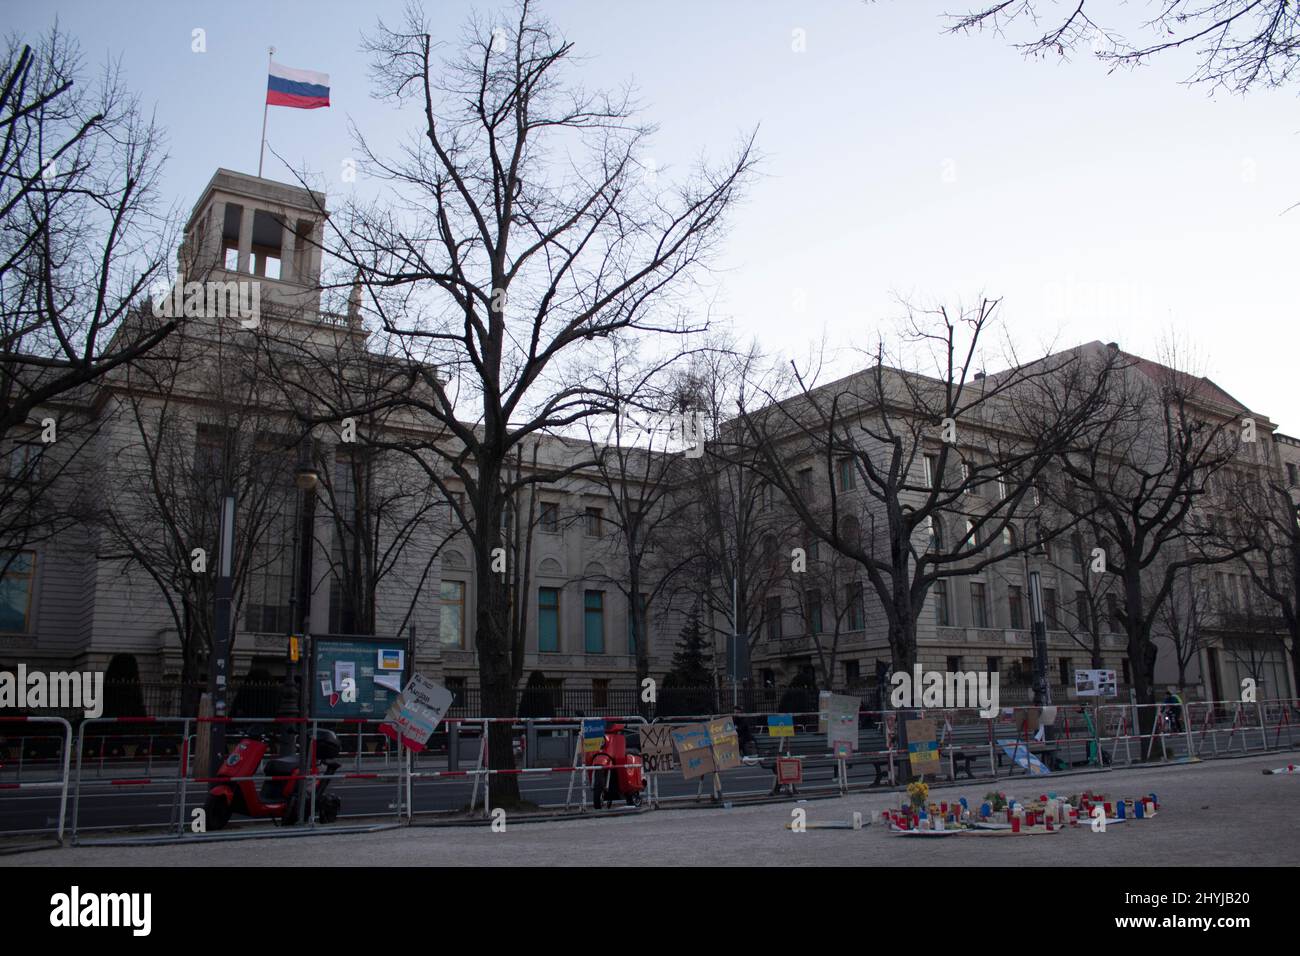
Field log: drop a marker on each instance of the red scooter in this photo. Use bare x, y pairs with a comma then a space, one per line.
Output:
280, 790
619, 774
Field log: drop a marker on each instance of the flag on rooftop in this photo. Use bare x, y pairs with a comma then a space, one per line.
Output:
301, 89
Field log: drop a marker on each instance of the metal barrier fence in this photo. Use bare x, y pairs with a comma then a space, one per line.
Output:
60, 782
122, 755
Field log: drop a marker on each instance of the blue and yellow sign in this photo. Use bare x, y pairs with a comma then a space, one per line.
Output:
780, 725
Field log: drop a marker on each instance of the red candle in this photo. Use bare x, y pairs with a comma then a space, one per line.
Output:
1108, 811
1015, 824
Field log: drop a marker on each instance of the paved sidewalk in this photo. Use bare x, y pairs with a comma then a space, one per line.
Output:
1221, 812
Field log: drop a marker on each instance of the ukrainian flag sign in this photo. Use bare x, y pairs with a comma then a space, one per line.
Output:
593, 735
922, 746
780, 725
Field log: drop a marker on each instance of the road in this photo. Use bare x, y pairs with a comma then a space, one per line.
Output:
1216, 813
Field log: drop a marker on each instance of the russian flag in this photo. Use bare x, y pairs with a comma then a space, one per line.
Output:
301, 89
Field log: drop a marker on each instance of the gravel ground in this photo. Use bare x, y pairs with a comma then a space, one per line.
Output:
1218, 813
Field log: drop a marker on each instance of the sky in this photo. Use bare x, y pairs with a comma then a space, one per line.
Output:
901, 164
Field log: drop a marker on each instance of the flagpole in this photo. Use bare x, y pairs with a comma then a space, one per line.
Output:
270, 52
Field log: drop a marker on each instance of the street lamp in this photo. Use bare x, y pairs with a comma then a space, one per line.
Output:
292, 696
1038, 624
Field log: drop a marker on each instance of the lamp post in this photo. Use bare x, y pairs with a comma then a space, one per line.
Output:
1038, 629
218, 659
294, 696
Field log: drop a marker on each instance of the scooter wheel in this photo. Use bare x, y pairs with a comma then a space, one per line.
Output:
329, 808
217, 812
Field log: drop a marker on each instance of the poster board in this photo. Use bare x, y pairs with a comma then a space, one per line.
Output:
335, 658
1095, 683
842, 722
657, 753
725, 742
593, 734
789, 770
694, 750
416, 712
922, 747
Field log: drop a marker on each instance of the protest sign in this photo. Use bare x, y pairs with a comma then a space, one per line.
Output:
694, 750
725, 742
922, 747
416, 712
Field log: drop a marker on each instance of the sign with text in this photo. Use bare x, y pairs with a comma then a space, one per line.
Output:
842, 722
725, 742
922, 747
657, 753
416, 712
789, 770
593, 734
694, 750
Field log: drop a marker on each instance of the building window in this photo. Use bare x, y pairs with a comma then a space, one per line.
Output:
772, 617
631, 622
942, 612
595, 522
1065, 671
1076, 547
1009, 541
1081, 610
954, 663
979, 605
993, 665
1124, 667
593, 621
599, 693
935, 524
1016, 606
805, 483
813, 600
931, 465
23, 463
451, 619
17, 572
1049, 609
856, 606
549, 516
848, 479
1292, 474
1112, 612
548, 620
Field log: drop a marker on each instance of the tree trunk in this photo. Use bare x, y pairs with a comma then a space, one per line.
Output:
492, 641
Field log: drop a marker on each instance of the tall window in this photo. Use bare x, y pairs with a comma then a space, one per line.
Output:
979, 604
813, 601
347, 580
931, 469
1049, 609
549, 516
772, 617
451, 619
936, 533
548, 620
631, 623
600, 692
16, 576
848, 478
593, 622
1112, 611
1065, 671
1016, 605
1081, 610
805, 483
270, 579
1076, 547
856, 606
942, 612
595, 522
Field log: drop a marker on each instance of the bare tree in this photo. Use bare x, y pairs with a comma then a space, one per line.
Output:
1136, 479
1270, 515
521, 239
1186, 619
82, 239
1239, 44
918, 477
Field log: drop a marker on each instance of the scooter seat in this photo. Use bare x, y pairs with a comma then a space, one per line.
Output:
282, 766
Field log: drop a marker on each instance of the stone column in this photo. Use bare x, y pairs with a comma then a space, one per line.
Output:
246, 240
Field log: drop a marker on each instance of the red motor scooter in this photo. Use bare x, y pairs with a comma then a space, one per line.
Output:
618, 772
280, 790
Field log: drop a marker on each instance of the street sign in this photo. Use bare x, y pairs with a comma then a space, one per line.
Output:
416, 713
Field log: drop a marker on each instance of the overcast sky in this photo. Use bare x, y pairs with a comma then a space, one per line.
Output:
899, 162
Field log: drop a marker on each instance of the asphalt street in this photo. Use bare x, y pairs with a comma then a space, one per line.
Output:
1216, 813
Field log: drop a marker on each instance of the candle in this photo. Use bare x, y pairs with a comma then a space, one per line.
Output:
1015, 824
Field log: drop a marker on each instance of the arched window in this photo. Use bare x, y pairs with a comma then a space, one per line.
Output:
1009, 538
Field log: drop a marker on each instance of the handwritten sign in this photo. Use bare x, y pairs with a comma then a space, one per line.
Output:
694, 750
657, 752
725, 742
922, 747
842, 722
789, 770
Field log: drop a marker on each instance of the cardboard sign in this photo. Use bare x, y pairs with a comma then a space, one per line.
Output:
593, 734
725, 742
922, 747
694, 750
657, 754
416, 712
823, 710
780, 725
789, 770
842, 721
